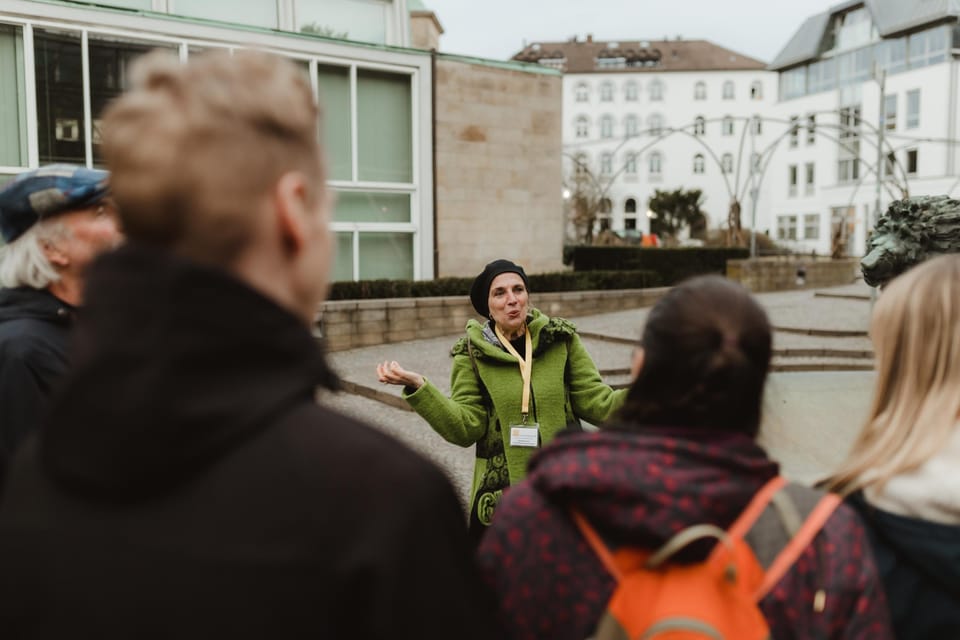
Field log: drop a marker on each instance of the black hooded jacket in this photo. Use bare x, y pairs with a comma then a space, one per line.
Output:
919, 562
188, 485
34, 331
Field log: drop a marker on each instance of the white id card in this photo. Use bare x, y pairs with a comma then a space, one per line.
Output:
524, 435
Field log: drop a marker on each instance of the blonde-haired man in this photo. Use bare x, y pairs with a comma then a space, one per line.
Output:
188, 484
54, 221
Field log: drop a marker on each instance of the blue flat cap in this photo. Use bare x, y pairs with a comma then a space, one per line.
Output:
45, 192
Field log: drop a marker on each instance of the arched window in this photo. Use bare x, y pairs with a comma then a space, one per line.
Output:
757, 125
606, 163
728, 90
630, 125
630, 166
583, 127
698, 163
700, 91
606, 126
726, 162
656, 163
606, 92
630, 91
728, 125
699, 126
655, 124
606, 206
755, 163
656, 91
756, 90
580, 161
630, 205
583, 92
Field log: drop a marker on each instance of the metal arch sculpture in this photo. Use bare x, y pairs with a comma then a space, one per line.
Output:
910, 231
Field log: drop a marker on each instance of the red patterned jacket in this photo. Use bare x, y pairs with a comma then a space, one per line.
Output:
639, 489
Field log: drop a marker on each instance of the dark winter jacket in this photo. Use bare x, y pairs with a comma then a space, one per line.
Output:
639, 490
34, 328
188, 485
919, 562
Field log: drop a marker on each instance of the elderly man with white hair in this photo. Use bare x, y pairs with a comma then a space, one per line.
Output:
54, 221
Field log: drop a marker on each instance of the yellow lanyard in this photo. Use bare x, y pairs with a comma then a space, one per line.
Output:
526, 367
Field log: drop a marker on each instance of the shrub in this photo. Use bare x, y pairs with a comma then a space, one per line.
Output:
671, 265
539, 283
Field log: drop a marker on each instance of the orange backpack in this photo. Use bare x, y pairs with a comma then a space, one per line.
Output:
717, 598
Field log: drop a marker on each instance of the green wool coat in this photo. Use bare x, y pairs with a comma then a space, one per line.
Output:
565, 386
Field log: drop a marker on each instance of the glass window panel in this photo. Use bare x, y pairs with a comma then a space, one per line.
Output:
109, 77
384, 122
363, 20
386, 255
343, 266
258, 13
334, 83
145, 5
372, 207
60, 128
4, 180
13, 109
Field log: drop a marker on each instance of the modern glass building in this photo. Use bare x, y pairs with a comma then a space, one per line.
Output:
62, 62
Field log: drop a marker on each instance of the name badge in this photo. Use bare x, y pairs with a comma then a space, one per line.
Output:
524, 435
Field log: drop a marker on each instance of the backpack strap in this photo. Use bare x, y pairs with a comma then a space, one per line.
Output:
600, 549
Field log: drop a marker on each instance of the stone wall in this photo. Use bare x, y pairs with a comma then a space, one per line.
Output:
347, 324
498, 156
780, 273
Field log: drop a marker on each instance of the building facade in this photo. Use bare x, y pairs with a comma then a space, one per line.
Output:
669, 114
880, 72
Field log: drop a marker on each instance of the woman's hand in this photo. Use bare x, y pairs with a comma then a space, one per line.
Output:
393, 373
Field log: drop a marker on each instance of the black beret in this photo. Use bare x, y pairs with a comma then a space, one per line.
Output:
480, 290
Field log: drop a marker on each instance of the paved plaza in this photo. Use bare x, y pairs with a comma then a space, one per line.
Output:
816, 398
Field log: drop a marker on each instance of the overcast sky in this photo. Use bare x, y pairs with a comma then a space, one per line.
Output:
497, 28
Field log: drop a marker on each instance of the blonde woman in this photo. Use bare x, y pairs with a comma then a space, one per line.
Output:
903, 472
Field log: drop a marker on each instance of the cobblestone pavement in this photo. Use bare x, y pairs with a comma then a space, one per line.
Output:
809, 418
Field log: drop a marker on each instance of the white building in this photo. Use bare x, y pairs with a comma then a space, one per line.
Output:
61, 62
645, 115
821, 180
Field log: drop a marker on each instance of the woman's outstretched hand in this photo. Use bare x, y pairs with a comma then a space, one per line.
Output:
391, 372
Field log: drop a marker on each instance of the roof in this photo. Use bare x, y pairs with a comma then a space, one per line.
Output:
642, 56
891, 18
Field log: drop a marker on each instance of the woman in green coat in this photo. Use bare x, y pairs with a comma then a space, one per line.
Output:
517, 381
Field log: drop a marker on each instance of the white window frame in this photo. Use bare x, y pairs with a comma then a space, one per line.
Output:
582, 127
700, 91
699, 164
606, 91
656, 90
582, 92
606, 126
913, 117
699, 126
729, 90
655, 163
726, 163
92, 23
756, 90
811, 221
728, 126
631, 92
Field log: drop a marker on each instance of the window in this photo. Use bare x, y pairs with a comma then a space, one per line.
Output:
264, 14
811, 226
606, 92
630, 125
728, 90
13, 109
698, 164
728, 126
848, 169
890, 164
755, 163
699, 126
656, 91
60, 112
700, 91
655, 124
655, 162
606, 163
630, 166
913, 109
811, 129
786, 227
349, 19
726, 163
580, 162
890, 112
630, 205
630, 91
606, 206
757, 125
606, 126
792, 180
794, 131
582, 92
810, 180
793, 83
912, 162
630, 214
756, 90
583, 127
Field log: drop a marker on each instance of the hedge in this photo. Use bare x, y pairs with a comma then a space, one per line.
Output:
672, 265
539, 283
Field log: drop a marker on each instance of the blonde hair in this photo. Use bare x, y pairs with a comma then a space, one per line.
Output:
23, 262
193, 149
916, 336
